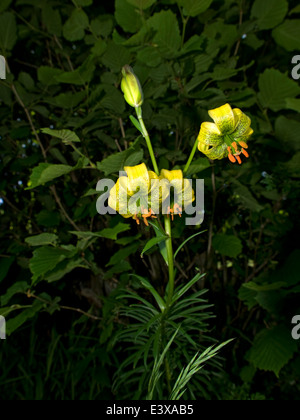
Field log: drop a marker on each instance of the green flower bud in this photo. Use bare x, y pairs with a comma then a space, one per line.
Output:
131, 87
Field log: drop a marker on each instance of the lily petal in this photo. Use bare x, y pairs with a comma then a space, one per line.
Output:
138, 178
243, 123
209, 134
224, 118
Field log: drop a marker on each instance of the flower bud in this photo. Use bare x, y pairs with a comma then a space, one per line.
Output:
131, 87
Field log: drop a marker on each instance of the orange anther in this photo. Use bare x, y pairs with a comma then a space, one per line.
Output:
243, 144
245, 153
238, 159
231, 158
234, 145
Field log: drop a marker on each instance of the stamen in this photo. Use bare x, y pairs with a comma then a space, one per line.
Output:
245, 153
234, 145
238, 159
243, 144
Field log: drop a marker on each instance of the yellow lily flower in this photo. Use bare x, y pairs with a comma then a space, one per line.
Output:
183, 192
227, 136
133, 195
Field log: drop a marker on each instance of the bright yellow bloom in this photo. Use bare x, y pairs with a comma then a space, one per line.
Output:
131, 87
183, 192
141, 194
134, 194
227, 136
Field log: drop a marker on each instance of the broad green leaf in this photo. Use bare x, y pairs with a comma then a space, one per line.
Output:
108, 233
264, 287
112, 233
159, 300
287, 35
84, 3
42, 239
63, 268
81, 76
269, 13
194, 7
293, 103
19, 287
8, 31
287, 131
46, 259
275, 88
197, 166
149, 56
47, 75
116, 56
4, 5
14, 323
5, 264
116, 162
67, 136
48, 218
123, 253
127, 16
74, 28
152, 242
141, 4
248, 296
69, 100
245, 197
167, 35
52, 19
46, 172
228, 245
272, 349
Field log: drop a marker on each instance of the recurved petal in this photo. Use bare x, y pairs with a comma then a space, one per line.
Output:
243, 123
170, 175
118, 196
188, 192
224, 118
214, 152
209, 134
244, 137
138, 178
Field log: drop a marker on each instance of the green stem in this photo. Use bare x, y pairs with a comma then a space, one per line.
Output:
191, 157
170, 257
147, 138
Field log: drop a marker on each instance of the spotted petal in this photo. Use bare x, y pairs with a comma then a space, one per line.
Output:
243, 123
118, 197
224, 118
209, 134
138, 178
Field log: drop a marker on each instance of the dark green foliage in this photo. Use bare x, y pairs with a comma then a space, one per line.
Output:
78, 325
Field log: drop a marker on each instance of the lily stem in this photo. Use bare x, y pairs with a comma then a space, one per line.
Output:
147, 138
191, 157
170, 257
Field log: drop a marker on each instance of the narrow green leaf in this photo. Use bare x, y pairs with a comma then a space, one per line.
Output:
159, 300
182, 290
152, 242
136, 123
188, 239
